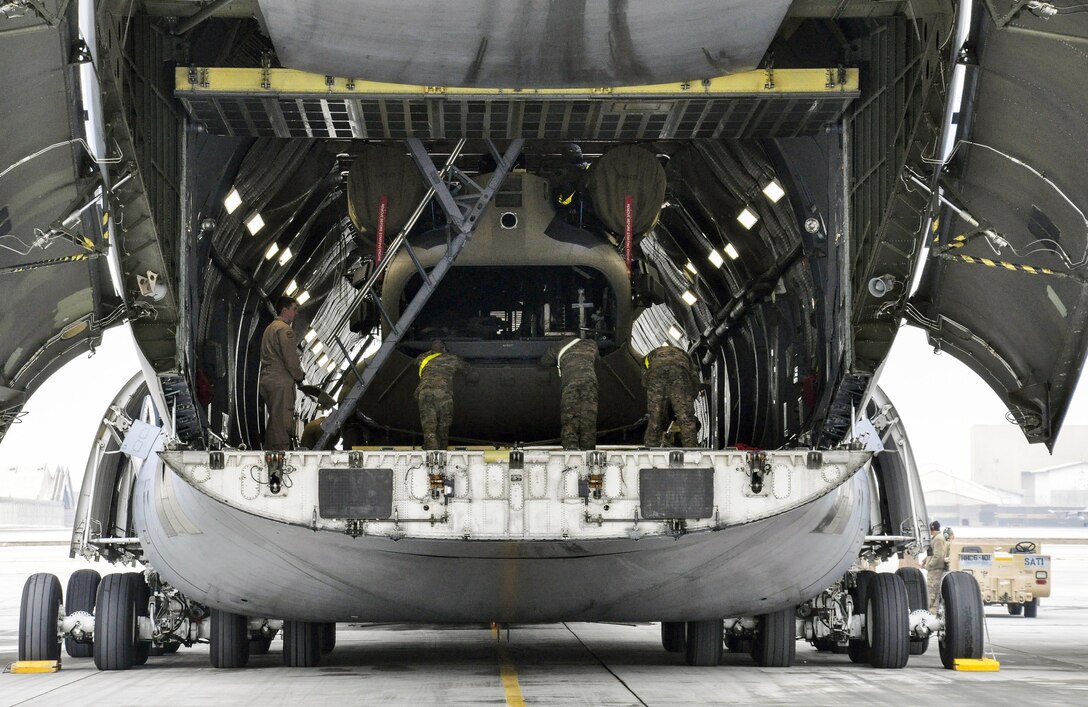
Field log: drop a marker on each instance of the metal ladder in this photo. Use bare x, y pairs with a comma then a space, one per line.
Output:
463, 213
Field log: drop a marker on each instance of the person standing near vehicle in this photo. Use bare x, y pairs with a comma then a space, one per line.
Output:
434, 394
281, 371
936, 565
670, 382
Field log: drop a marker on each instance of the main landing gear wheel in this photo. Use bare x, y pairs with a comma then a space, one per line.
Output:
776, 643
230, 640
80, 596
143, 596
328, 637
115, 623
858, 648
39, 612
887, 622
917, 599
674, 636
963, 630
301, 644
1031, 608
703, 646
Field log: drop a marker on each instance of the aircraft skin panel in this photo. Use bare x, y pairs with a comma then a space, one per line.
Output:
46, 279
330, 576
523, 43
1006, 295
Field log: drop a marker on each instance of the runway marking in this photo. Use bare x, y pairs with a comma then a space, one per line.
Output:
508, 674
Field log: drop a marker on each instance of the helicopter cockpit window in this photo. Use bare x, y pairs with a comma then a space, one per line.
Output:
523, 304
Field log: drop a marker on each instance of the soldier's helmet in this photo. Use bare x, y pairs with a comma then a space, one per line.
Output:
935, 525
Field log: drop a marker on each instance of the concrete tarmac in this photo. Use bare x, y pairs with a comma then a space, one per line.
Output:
1044, 661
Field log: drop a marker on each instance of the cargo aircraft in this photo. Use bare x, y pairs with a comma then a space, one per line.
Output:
776, 187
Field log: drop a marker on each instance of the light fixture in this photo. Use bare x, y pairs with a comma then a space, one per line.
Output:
303, 297
731, 251
255, 223
715, 258
310, 335
331, 367
233, 201
747, 218
285, 256
271, 252
344, 364
689, 297
774, 191
291, 288
691, 266
323, 360
316, 348
675, 333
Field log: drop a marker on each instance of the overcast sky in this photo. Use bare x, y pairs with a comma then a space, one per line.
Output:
938, 398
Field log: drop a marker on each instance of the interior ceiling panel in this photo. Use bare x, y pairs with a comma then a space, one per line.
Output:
1013, 305
288, 103
524, 43
37, 186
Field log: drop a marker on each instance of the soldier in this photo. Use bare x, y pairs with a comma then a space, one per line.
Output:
936, 565
434, 394
670, 380
281, 371
576, 360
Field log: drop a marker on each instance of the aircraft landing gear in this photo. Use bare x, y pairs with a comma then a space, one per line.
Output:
775, 644
116, 625
39, 614
674, 636
301, 644
80, 597
704, 642
918, 600
963, 635
230, 640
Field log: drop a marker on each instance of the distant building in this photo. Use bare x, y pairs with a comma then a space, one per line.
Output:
36, 495
1062, 486
957, 501
999, 453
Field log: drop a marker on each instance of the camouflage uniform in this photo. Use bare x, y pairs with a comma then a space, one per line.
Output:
280, 372
935, 569
434, 395
670, 379
578, 401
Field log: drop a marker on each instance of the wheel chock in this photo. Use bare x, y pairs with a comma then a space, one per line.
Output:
979, 665
34, 666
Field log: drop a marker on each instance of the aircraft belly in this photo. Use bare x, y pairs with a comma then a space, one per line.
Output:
253, 564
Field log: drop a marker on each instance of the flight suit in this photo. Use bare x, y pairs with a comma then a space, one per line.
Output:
576, 360
434, 395
936, 565
281, 371
670, 380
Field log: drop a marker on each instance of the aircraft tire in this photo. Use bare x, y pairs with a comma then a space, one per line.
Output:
39, 613
328, 637
115, 623
301, 644
887, 622
703, 644
230, 640
1015, 609
1031, 608
80, 596
776, 643
674, 636
858, 648
963, 616
917, 599
143, 595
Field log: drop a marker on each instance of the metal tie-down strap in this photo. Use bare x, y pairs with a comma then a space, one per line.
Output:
463, 215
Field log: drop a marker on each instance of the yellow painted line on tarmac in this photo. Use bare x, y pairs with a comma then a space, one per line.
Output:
508, 674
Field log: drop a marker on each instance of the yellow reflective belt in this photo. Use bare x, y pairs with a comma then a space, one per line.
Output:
647, 361
424, 362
